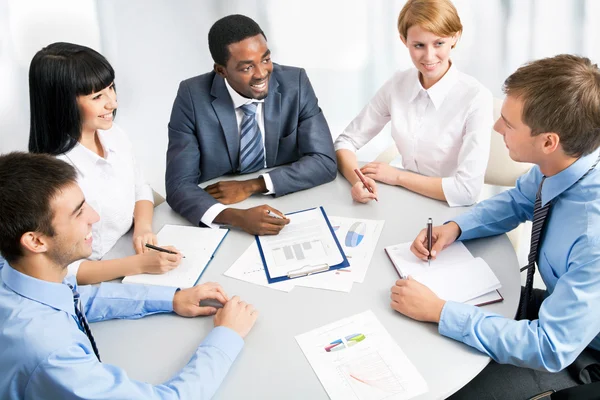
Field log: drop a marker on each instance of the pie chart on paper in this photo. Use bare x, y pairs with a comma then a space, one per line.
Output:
355, 234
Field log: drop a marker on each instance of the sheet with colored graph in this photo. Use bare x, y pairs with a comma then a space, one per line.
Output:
356, 359
358, 238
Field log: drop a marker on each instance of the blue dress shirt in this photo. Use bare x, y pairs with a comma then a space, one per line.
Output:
569, 263
44, 354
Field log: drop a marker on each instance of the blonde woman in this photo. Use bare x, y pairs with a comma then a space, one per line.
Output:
441, 118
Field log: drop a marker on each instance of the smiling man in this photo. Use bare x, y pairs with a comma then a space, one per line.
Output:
550, 117
245, 115
47, 350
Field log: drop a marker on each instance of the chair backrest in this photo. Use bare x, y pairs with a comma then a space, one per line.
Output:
501, 169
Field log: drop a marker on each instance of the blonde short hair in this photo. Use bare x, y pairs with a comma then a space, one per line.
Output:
436, 16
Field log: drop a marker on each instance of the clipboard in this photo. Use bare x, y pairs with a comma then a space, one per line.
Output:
308, 269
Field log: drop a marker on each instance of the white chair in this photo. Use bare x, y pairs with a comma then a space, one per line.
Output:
501, 169
158, 199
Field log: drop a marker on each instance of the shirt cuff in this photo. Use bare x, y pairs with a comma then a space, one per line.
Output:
453, 319
268, 184
210, 215
456, 196
74, 267
159, 298
144, 193
343, 145
467, 224
225, 339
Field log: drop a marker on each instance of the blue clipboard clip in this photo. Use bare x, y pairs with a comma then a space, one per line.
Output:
308, 270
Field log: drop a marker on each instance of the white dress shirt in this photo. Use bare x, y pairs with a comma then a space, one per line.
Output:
238, 101
443, 131
111, 186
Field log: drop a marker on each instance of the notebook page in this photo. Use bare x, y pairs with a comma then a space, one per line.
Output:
409, 264
460, 282
196, 244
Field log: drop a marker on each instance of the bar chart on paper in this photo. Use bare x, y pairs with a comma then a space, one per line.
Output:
356, 358
306, 250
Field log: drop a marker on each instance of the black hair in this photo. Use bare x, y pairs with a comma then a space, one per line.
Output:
57, 75
230, 29
28, 184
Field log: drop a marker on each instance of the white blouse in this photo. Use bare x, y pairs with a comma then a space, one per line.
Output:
443, 131
111, 185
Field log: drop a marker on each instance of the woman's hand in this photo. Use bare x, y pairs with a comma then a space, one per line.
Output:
381, 172
141, 237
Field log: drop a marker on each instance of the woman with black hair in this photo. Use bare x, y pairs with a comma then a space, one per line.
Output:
73, 103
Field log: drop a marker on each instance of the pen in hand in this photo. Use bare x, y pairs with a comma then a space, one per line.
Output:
150, 246
364, 181
272, 214
429, 239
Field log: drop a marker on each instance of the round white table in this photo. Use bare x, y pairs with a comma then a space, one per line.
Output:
272, 365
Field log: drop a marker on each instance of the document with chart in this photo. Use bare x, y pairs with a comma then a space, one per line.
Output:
357, 359
250, 268
358, 238
306, 246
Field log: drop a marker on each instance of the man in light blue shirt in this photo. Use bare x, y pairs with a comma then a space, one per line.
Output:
550, 117
47, 350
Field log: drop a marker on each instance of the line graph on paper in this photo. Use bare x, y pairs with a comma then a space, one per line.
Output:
370, 377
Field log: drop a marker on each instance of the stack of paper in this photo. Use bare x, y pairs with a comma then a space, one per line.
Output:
198, 245
455, 275
358, 239
356, 358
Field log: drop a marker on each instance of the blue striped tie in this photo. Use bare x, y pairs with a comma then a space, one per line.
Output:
83, 324
540, 214
252, 154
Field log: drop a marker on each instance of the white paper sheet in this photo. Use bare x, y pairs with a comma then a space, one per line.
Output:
454, 275
305, 244
358, 238
197, 245
249, 268
374, 368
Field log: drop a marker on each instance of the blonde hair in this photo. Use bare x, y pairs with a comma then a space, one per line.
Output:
436, 16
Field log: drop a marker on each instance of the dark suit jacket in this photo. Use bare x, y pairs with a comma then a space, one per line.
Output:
204, 140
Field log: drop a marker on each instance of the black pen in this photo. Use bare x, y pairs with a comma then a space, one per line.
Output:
151, 246
429, 238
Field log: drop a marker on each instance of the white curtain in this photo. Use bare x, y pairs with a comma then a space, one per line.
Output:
349, 49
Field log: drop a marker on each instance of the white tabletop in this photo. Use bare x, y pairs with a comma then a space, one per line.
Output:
272, 365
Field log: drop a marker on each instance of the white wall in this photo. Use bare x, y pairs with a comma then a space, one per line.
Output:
349, 49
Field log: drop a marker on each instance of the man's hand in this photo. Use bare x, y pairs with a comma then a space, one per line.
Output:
186, 302
230, 192
237, 315
141, 236
255, 221
361, 194
416, 301
443, 236
158, 262
381, 172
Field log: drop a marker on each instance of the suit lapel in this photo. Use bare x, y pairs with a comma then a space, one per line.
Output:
223, 107
272, 121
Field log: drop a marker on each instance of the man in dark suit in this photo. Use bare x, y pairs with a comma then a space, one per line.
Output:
245, 115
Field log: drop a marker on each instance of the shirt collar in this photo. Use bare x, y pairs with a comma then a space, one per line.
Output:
55, 295
84, 159
438, 92
238, 99
555, 185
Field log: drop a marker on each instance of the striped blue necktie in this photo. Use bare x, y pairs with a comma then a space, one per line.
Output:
83, 324
540, 214
252, 154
